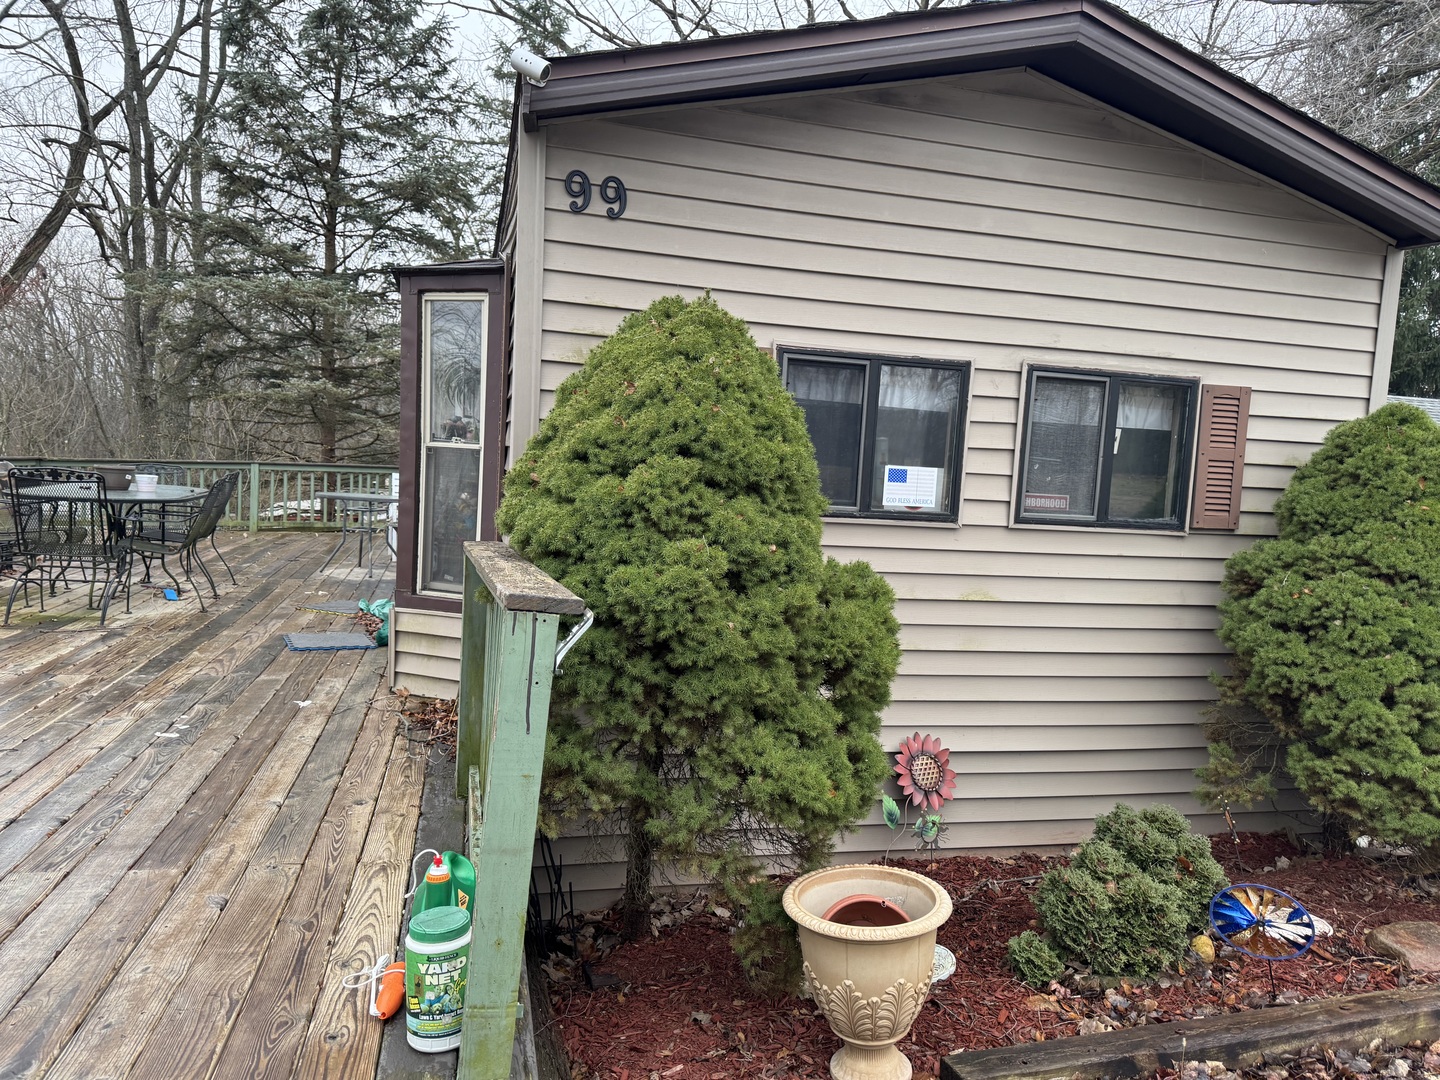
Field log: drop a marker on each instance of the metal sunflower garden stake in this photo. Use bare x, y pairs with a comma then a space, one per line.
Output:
926, 780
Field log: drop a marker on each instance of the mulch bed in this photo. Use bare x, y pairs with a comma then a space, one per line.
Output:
675, 1005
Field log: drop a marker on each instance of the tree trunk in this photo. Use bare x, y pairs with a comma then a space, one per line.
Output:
639, 866
328, 415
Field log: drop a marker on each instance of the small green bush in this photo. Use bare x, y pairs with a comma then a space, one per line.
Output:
1033, 959
765, 941
1133, 894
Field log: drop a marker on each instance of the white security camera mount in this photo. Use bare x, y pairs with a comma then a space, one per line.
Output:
534, 69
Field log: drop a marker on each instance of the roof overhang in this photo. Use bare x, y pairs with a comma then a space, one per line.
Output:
1085, 44
457, 268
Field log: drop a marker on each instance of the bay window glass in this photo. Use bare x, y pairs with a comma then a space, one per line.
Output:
887, 432
1106, 449
453, 374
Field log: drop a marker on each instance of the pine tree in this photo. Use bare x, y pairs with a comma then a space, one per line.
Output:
1415, 363
338, 154
726, 702
1335, 626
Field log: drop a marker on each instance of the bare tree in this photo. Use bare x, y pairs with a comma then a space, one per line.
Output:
62, 393
109, 104
81, 78
1368, 68
570, 26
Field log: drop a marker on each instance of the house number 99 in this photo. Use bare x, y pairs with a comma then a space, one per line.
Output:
579, 188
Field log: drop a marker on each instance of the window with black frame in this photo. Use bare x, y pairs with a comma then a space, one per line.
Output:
887, 431
1102, 449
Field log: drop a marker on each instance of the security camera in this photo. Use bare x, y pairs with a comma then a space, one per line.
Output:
535, 69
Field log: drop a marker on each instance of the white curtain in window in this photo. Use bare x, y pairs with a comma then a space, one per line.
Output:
827, 382
924, 389
1148, 407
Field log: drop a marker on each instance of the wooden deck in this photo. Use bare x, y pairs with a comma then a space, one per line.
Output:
201, 832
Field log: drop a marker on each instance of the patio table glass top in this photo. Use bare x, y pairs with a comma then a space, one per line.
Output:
164, 493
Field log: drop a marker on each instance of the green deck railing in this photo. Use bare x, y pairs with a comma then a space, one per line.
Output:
508, 655
271, 494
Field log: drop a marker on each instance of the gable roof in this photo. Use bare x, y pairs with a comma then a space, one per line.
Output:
1086, 44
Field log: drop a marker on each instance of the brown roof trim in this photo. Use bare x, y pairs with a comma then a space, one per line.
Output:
1087, 44
459, 266
814, 57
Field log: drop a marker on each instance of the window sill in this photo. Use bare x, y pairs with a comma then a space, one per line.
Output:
1057, 527
848, 519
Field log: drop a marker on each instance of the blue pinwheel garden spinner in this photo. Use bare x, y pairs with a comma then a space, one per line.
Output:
1263, 922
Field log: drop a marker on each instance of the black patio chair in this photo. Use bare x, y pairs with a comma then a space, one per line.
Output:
63, 524
167, 474
229, 482
154, 519
199, 522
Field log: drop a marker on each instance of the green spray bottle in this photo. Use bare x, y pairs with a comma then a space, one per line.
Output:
462, 881
449, 882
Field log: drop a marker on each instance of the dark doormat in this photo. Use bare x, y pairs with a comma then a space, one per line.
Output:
329, 640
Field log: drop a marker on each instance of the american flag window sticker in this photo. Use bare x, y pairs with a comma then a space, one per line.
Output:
911, 487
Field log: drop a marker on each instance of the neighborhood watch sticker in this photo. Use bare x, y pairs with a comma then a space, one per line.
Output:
911, 486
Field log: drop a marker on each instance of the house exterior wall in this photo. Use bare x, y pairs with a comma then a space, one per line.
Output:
425, 652
1006, 221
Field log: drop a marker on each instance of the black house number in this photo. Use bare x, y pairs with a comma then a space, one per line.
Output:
579, 188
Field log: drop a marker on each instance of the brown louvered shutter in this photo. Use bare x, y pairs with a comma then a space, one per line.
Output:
1220, 457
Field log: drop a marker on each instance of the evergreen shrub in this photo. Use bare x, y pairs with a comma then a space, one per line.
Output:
1335, 627
726, 703
1133, 894
1034, 960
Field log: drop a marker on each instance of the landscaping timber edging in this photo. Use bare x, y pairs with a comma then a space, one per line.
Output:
1237, 1039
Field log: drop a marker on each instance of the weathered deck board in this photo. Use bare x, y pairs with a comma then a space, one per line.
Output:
134, 673
122, 1020
126, 641
99, 948
107, 700
175, 827
185, 1041
343, 1040
267, 1034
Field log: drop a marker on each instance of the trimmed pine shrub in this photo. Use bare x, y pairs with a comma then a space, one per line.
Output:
1335, 627
1032, 958
1132, 895
726, 703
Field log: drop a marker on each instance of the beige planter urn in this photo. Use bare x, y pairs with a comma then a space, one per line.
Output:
869, 980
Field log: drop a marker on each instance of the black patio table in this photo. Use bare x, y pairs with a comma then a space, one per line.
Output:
125, 505
367, 507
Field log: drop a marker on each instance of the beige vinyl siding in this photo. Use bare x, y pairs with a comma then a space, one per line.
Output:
427, 652
1002, 220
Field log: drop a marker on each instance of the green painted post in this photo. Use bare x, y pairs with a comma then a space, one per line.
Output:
509, 624
254, 497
